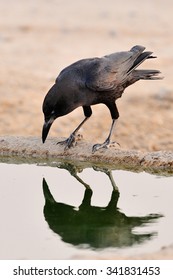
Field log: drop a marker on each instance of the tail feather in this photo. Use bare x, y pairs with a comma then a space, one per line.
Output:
143, 56
147, 75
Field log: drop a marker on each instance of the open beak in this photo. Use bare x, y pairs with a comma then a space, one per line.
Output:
46, 128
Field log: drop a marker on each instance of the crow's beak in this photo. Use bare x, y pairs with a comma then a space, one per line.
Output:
46, 128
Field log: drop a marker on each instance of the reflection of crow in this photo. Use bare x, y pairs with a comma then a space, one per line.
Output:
97, 227
92, 81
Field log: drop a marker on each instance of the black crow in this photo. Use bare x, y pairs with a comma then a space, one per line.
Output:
92, 81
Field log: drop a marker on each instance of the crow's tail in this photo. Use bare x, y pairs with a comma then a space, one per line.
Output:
141, 58
147, 74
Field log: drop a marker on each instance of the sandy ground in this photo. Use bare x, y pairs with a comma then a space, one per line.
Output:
39, 38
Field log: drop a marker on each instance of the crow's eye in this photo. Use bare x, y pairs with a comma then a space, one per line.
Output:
51, 114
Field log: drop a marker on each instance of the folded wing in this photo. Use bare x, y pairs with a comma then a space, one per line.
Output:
112, 70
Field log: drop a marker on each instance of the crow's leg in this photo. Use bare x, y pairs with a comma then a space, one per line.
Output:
71, 139
115, 115
73, 170
108, 172
106, 143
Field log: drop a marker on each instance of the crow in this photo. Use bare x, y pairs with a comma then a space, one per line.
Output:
93, 81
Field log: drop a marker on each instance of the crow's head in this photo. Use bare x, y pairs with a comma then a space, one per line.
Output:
60, 100
50, 111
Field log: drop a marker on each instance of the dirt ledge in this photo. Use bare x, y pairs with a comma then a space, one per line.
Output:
31, 149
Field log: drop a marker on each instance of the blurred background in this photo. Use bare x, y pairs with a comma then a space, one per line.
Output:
39, 38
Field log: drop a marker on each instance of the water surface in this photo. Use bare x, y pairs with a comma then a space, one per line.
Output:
51, 213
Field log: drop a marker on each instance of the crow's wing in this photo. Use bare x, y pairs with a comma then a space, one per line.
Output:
112, 70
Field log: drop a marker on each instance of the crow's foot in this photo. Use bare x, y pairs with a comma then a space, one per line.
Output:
71, 141
105, 145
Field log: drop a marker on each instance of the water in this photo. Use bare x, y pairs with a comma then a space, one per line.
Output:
50, 212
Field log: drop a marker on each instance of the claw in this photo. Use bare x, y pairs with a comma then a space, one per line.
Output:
105, 145
97, 147
68, 142
71, 141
